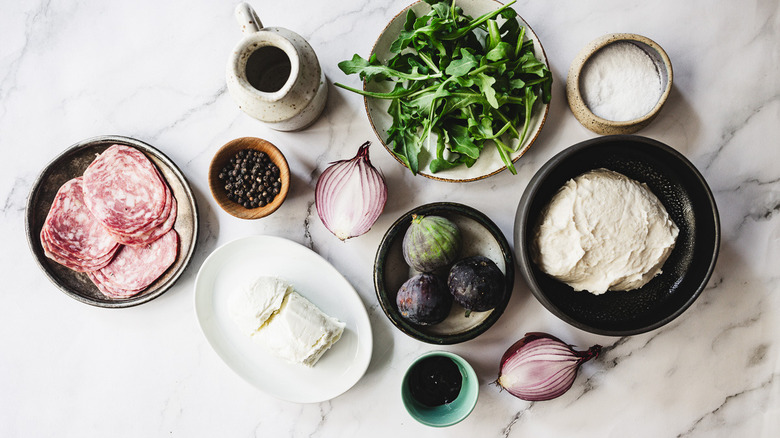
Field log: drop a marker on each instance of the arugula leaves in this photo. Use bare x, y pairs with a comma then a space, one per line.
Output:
467, 80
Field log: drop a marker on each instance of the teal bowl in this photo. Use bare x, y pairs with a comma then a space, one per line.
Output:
450, 413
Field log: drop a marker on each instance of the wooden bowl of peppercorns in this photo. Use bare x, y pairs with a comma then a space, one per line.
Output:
249, 178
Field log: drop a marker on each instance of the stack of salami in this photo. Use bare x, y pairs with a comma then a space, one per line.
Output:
115, 223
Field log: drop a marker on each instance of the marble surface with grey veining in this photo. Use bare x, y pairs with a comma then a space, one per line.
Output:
154, 70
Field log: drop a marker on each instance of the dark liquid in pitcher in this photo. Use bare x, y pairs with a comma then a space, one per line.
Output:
268, 69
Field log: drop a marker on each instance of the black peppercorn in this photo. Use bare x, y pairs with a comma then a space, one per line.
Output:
251, 179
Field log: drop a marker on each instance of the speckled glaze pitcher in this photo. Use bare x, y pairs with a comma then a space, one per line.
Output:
274, 76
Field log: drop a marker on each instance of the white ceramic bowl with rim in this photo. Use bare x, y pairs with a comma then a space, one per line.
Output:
489, 162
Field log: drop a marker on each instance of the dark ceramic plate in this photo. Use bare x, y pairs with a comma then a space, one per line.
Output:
685, 195
71, 164
480, 237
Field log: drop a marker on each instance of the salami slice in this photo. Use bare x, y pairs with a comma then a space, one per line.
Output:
134, 268
71, 235
146, 237
108, 290
76, 265
124, 191
73, 262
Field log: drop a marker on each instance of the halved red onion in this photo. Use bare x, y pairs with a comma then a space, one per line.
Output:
541, 367
350, 195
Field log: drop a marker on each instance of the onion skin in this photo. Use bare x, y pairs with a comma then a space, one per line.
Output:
350, 195
541, 367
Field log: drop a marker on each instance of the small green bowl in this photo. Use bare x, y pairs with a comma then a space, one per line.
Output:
450, 413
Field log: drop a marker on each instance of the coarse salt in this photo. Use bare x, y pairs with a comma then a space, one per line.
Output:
620, 82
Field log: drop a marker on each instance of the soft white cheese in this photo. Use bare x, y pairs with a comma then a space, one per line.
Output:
253, 305
604, 231
285, 323
300, 332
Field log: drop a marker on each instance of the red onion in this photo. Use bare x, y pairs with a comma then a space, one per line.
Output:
350, 195
541, 367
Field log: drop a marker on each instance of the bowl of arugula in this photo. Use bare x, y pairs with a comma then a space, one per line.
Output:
456, 91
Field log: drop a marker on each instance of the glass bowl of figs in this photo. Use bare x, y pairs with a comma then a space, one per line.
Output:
443, 273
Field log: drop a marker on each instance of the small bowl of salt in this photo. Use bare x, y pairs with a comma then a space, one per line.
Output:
618, 83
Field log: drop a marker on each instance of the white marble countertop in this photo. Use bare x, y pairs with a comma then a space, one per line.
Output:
154, 70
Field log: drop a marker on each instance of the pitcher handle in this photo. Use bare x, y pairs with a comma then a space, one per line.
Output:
247, 19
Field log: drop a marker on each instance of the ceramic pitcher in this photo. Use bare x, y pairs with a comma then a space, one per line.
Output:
274, 76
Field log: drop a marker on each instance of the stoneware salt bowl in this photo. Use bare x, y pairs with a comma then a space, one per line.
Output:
221, 159
274, 75
688, 200
451, 413
604, 126
480, 237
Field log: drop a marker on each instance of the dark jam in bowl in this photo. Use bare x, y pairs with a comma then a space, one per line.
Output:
435, 381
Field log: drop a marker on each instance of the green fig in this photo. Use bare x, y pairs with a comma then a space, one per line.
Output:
431, 243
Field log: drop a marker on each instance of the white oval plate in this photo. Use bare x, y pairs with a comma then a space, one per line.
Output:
489, 162
242, 260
